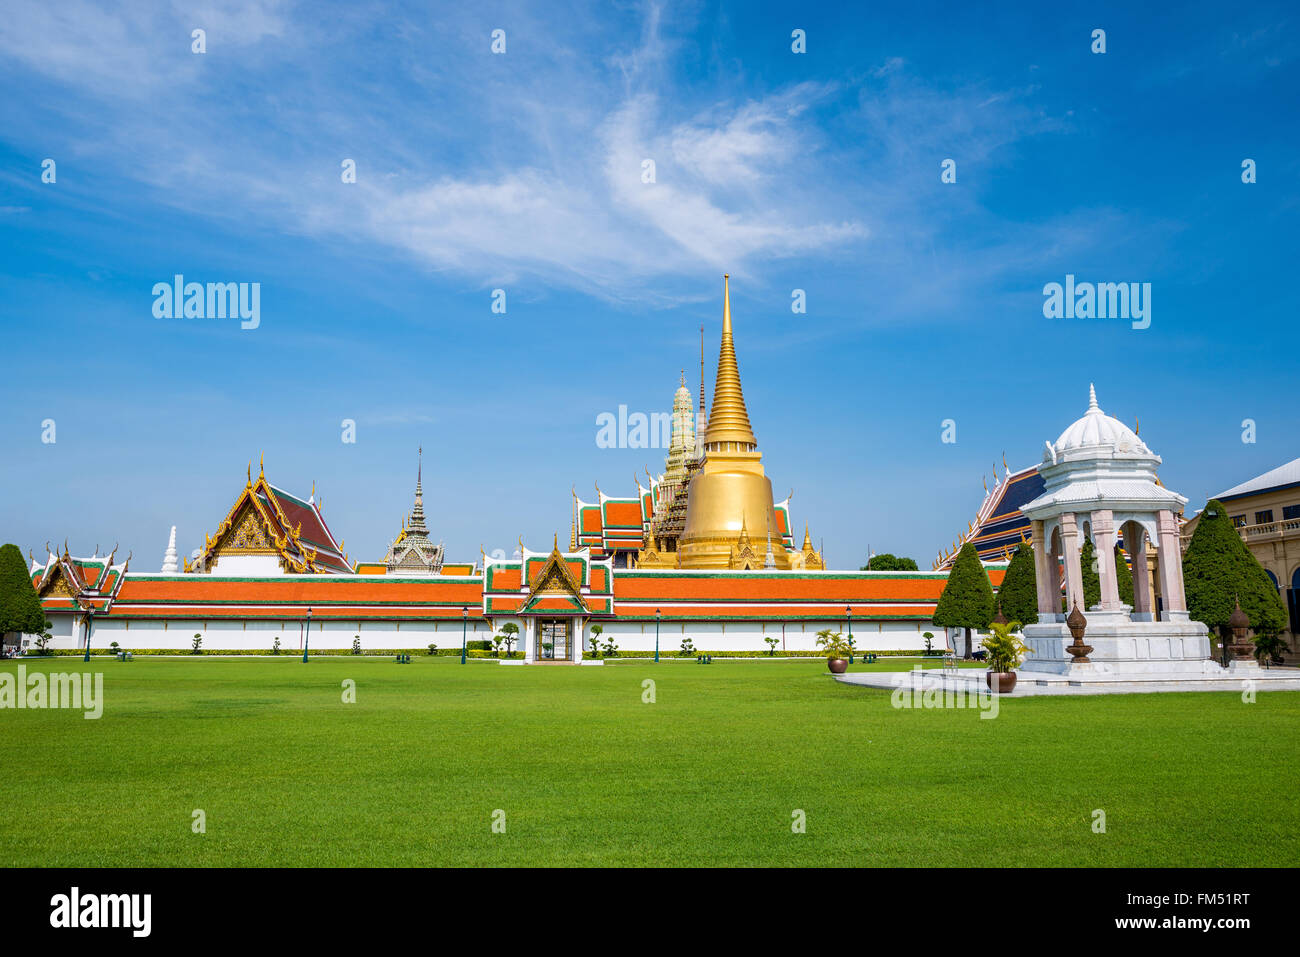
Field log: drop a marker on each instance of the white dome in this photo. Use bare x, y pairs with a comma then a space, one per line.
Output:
1096, 428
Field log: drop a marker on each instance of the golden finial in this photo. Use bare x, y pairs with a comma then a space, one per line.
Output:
555, 542
985, 480
1137, 425
250, 474
729, 420
598, 492
521, 546
261, 466
1004, 463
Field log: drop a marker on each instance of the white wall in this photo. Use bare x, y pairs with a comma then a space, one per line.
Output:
238, 634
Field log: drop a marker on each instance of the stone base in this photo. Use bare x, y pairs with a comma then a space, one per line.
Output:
1122, 646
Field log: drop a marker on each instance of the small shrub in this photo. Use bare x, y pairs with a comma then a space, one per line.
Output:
772, 642
356, 645
687, 650
275, 648
196, 647
433, 649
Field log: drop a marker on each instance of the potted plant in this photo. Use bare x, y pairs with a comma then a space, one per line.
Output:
547, 648
1004, 651
837, 650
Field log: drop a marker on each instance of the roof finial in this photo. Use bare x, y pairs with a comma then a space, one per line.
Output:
729, 421
261, 466
1092, 399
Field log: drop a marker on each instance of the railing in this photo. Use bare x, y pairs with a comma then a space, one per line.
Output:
1283, 527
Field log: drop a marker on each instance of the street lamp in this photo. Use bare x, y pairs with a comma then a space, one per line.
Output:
657, 614
90, 621
848, 627
464, 624
307, 637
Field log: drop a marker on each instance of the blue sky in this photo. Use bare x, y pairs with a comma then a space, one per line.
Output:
523, 171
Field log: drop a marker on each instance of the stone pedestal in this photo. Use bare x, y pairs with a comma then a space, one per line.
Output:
1122, 646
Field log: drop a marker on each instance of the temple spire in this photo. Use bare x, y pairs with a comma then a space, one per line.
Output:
729, 421
169, 565
417, 525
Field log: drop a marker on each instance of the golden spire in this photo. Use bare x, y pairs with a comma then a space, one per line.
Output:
729, 420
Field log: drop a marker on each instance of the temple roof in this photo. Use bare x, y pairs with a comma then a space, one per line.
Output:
292, 527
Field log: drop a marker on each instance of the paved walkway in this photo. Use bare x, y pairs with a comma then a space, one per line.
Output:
1032, 684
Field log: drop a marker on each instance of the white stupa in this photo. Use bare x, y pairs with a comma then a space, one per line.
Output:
170, 566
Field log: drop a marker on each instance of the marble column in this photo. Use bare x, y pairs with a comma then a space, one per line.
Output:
1054, 574
1170, 567
1073, 570
1103, 539
1042, 555
1135, 543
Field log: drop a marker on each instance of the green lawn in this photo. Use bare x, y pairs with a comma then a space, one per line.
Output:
587, 774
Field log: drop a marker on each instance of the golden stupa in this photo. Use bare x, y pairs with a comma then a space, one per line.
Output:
730, 522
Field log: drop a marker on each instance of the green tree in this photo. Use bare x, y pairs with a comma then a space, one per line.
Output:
967, 599
509, 635
886, 562
20, 606
1219, 570
1018, 595
1091, 577
1123, 577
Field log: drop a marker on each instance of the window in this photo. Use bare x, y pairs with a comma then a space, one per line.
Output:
1291, 511
1238, 521
1264, 517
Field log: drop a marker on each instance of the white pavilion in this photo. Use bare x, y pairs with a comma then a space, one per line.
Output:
1100, 483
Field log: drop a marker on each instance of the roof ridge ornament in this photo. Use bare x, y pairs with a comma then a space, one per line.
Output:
1092, 399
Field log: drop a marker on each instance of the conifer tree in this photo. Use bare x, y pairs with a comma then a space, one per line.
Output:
967, 599
1219, 570
20, 606
1091, 577
1018, 595
1123, 577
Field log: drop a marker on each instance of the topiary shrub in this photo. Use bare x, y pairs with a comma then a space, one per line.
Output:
967, 599
1219, 570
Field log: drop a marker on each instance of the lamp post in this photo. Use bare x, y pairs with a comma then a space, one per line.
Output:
464, 625
848, 626
657, 613
306, 640
90, 622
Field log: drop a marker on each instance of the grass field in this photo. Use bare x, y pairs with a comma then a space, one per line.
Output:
588, 774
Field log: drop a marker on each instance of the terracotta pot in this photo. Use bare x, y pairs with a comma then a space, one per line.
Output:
837, 665
1001, 682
